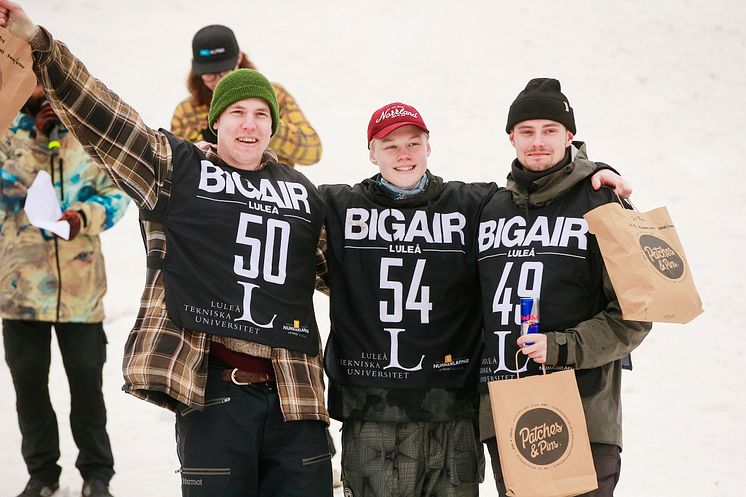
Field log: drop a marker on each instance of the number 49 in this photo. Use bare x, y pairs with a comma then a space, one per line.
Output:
529, 285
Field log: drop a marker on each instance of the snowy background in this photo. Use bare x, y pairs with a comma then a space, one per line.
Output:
658, 88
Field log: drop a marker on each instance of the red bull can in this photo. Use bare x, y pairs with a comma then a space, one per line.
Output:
529, 316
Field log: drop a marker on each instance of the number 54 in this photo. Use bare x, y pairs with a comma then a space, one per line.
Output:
423, 305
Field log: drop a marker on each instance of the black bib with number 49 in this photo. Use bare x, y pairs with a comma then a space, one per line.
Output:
545, 253
241, 251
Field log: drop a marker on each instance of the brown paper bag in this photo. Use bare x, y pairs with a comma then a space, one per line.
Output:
646, 264
17, 79
542, 436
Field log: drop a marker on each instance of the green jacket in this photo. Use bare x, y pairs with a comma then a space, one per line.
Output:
43, 277
601, 341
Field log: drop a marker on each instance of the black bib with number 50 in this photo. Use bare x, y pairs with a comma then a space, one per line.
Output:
241, 251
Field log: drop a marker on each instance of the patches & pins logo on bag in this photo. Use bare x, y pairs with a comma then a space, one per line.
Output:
542, 436
662, 256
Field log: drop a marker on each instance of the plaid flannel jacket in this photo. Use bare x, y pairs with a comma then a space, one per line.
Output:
163, 364
296, 142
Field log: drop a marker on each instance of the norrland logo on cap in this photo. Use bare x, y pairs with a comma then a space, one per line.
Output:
206, 52
394, 112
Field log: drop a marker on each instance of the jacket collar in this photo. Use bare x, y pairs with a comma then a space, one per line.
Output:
211, 153
542, 191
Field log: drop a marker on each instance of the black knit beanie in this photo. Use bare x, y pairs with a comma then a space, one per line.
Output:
541, 99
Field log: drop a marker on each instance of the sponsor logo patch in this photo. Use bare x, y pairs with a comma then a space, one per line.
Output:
541, 436
662, 256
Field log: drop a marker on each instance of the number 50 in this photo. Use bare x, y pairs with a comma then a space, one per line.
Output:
274, 227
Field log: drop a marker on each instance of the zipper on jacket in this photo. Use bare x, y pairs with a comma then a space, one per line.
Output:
56, 240
315, 460
221, 400
204, 471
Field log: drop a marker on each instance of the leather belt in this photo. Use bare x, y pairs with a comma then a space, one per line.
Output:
245, 377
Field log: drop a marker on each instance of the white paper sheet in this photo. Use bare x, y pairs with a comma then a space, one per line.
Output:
42, 207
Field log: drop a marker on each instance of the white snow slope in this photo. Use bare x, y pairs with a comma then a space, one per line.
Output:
658, 88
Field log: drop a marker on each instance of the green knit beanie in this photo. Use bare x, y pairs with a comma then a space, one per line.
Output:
241, 84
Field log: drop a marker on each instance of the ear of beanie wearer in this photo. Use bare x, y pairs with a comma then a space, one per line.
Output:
239, 85
541, 99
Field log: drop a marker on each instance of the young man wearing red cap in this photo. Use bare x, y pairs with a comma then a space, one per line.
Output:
226, 335
533, 242
404, 350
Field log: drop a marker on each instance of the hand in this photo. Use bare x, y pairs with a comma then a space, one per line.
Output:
537, 351
46, 119
13, 17
609, 178
73, 219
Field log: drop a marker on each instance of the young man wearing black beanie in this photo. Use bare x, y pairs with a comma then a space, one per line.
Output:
541, 212
404, 349
226, 335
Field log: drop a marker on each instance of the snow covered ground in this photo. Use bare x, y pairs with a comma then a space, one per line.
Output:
658, 89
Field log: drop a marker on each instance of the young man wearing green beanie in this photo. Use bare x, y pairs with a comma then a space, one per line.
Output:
226, 335
533, 242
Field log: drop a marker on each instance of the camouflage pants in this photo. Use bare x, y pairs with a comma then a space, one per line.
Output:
442, 459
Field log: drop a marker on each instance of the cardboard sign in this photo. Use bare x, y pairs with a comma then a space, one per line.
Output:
17, 79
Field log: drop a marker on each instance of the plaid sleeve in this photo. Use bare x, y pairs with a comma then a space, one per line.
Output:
296, 142
135, 157
322, 269
300, 385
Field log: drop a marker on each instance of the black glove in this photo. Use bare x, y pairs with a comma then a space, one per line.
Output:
46, 119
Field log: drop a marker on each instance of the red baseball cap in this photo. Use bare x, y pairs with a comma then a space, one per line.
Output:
393, 116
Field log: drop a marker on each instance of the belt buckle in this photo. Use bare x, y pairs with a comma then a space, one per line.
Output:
233, 378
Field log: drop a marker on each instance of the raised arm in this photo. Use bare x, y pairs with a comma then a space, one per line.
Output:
135, 157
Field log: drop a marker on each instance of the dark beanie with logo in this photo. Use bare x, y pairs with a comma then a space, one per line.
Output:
541, 99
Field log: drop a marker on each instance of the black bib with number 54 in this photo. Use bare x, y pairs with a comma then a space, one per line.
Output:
241, 251
404, 289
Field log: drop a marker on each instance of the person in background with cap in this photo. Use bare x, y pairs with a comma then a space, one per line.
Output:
47, 281
406, 323
558, 262
226, 335
215, 53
